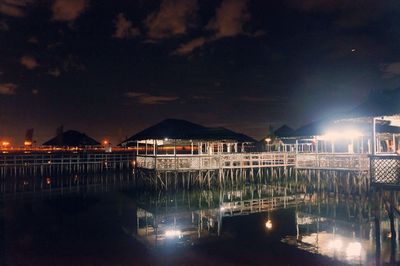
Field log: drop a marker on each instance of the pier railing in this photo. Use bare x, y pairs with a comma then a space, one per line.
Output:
385, 169
38, 159
220, 161
336, 161
20, 163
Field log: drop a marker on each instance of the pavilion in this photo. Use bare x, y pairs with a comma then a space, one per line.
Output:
72, 139
181, 137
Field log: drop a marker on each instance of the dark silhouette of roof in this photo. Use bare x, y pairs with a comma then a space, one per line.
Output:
283, 131
378, 103
312, 129
71, 138
185, 130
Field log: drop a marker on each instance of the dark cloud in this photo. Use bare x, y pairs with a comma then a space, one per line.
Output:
8, 88
391, 70
68, 10
55, 72
29, 62
4, 26
146, 98
14, 8
173, 18
33, 39
230, 19
255, 99
188, 47
73, 63
124, 28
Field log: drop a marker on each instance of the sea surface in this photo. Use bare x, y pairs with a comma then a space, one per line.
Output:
109, 220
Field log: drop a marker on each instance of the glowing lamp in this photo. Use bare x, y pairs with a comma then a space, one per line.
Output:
268, 225
344, 134
173, 233
5, 143
353, 250
27, 143
335, 244
268, 139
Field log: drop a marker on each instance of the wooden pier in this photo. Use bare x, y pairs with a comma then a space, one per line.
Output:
333, 161
32, 163
215, 162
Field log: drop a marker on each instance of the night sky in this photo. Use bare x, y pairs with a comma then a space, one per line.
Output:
111, 68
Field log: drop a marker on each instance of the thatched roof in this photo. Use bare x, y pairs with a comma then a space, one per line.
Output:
185, 130
71, 138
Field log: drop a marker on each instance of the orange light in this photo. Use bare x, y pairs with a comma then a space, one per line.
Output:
105, 142
27, 143
5, 143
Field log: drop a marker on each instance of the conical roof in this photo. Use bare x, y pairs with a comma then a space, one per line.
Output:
284, 131
72, 138
185, 130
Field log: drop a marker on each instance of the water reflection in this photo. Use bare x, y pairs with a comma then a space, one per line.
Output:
351, 227
340, 227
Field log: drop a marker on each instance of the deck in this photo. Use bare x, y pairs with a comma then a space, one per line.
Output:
348, 162
215, 162
329, 161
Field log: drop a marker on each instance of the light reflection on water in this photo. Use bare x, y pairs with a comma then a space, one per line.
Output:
338, 225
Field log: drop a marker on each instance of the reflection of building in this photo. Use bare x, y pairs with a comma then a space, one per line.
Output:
198, 216
343, 230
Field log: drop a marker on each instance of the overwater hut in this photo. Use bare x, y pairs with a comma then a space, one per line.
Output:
72, 139
175, 137
374, 123
276, 139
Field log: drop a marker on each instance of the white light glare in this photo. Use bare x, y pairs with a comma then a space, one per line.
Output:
345, 134
335, 244
173, 233
353, 250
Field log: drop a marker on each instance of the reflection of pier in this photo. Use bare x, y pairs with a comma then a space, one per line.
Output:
245, 207
189, 218
355, 230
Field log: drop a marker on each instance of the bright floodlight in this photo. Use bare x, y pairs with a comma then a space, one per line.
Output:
173, 233
335, 244
342, 134
353, 250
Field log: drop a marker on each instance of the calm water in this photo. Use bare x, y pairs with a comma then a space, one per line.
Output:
105, 220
